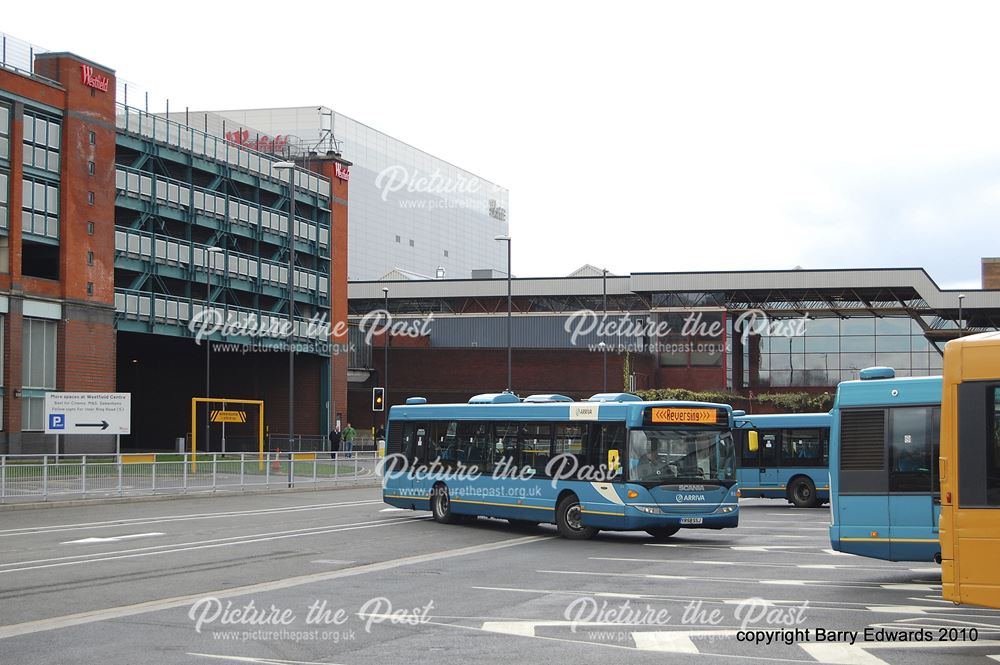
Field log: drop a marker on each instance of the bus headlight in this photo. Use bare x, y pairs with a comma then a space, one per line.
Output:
725, 509
652, 510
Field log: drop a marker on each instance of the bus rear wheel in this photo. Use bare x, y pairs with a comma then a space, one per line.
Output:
802, 493
569, 520
663, 532
441, 506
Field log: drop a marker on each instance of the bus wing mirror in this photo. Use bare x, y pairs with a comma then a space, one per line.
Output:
753, 443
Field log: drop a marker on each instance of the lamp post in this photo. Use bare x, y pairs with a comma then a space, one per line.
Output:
961, 321
506, 239
385, 367
208, 342
604, 348
290, 167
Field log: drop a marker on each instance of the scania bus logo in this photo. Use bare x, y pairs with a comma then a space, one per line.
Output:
690, 488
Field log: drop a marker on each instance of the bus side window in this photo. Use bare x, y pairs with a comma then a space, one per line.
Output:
505, 447
536, 443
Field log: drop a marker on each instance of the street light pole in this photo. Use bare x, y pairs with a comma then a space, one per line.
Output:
208, 342
385, 367
506, 239
961, 321
604, 348
290, 167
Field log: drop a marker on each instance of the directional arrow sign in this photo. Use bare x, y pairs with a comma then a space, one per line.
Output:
88, 413
103, 424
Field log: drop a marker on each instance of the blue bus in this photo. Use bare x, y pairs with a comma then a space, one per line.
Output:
791, 460
612, 462
884, 485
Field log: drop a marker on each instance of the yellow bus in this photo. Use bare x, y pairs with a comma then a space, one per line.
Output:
970, 471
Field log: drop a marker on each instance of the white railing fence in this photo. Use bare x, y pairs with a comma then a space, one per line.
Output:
32, 478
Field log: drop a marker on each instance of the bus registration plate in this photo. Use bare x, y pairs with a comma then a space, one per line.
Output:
691, 520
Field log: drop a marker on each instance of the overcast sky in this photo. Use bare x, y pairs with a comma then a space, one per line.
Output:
668, 136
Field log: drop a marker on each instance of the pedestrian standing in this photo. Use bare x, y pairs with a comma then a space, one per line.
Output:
347, 436
335, 441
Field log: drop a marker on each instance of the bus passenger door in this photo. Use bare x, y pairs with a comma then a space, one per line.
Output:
768, 472
420, 450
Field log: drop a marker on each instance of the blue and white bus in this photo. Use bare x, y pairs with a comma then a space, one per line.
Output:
612, 462
791, 460
884, 448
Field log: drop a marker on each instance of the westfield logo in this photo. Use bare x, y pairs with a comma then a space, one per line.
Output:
93, 79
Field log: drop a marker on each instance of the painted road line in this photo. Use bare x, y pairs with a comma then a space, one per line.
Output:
108, 614
112, 539
200, 545
674, 641
392, 510
258, 661
22, 531
826, 606
841, 654
332, 562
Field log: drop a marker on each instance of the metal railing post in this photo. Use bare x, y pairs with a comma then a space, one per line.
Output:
83, 478
153, 474
267, 470
45, 478
315, 460
355, 469
184, 476
242, 455
215, 462
121, 485
336, 467
3, 479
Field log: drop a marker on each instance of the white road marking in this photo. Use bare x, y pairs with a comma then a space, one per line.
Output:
902, 609
994, 657
910, 587
154, 550
180, 518
936, 570
96, 616
836, 553
335, 562
260, 661
841, 654
111, 539
392, 510
673, 641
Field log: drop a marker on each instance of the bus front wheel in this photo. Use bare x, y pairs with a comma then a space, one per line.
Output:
663, 532
569, 520
803, 493
441, 505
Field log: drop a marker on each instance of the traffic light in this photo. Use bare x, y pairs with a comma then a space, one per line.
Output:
378, 399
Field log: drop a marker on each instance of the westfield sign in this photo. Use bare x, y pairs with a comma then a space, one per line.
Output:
93, 79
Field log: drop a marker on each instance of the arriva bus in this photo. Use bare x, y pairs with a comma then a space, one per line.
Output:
612, 462
883, 466
790, 459
970, 471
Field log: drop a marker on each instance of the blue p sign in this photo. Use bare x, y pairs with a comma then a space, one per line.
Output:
57, 421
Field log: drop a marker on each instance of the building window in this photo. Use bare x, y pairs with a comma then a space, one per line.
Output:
446, 252
411, 242
39, 208
90, 288
90, 198
91, 168
93, 138
90, 258
41, 142
90, 228
4, 184
398, 239
4, 132
38, 370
